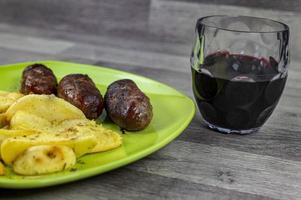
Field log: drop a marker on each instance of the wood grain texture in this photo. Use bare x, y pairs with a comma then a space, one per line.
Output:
167, 16
153, 38
126, 183
290, 5
226, 168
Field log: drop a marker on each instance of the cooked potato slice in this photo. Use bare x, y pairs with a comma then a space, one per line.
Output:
106, 139
81, 144
25, 121
2, 169
7, 99
6, 133
48, 107
67, 124
44, 159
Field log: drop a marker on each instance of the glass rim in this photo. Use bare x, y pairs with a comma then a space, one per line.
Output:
201, 21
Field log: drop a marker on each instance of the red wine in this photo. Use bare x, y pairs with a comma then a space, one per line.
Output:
237, 92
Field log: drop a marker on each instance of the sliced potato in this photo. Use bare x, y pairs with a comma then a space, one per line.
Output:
6, 133
48, 107
44, 159
7, 99
67, 124
2, 169
106, 139
26, 121
81, 144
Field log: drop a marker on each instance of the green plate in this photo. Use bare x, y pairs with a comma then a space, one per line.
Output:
173, 112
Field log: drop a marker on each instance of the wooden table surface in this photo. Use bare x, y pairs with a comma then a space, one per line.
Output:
153, 38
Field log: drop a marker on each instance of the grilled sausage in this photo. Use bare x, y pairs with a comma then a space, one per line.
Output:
80, 90
38, 79
128, 106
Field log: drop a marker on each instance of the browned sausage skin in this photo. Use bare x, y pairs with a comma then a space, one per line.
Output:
38, 79
80, 90
128, 106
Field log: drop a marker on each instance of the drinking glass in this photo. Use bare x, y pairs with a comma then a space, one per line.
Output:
239, 68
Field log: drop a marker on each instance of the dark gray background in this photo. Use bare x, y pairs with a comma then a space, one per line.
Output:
154, 38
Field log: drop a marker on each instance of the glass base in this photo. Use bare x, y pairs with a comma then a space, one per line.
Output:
227, 130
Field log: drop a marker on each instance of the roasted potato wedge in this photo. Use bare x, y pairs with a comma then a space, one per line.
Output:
81, 144
48, 107
6, 133
44, 159
25, 121
67, 124
7, 99
2, 169
106, 139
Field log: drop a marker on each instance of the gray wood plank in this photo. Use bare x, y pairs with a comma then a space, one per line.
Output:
8, 56
272, 139
173, 78
139, 43
130, 57
83, 16
33, 44
290, 5
157, 20
131, 184
226, 168
175, 20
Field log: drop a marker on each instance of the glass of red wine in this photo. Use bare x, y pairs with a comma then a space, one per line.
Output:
239, 69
